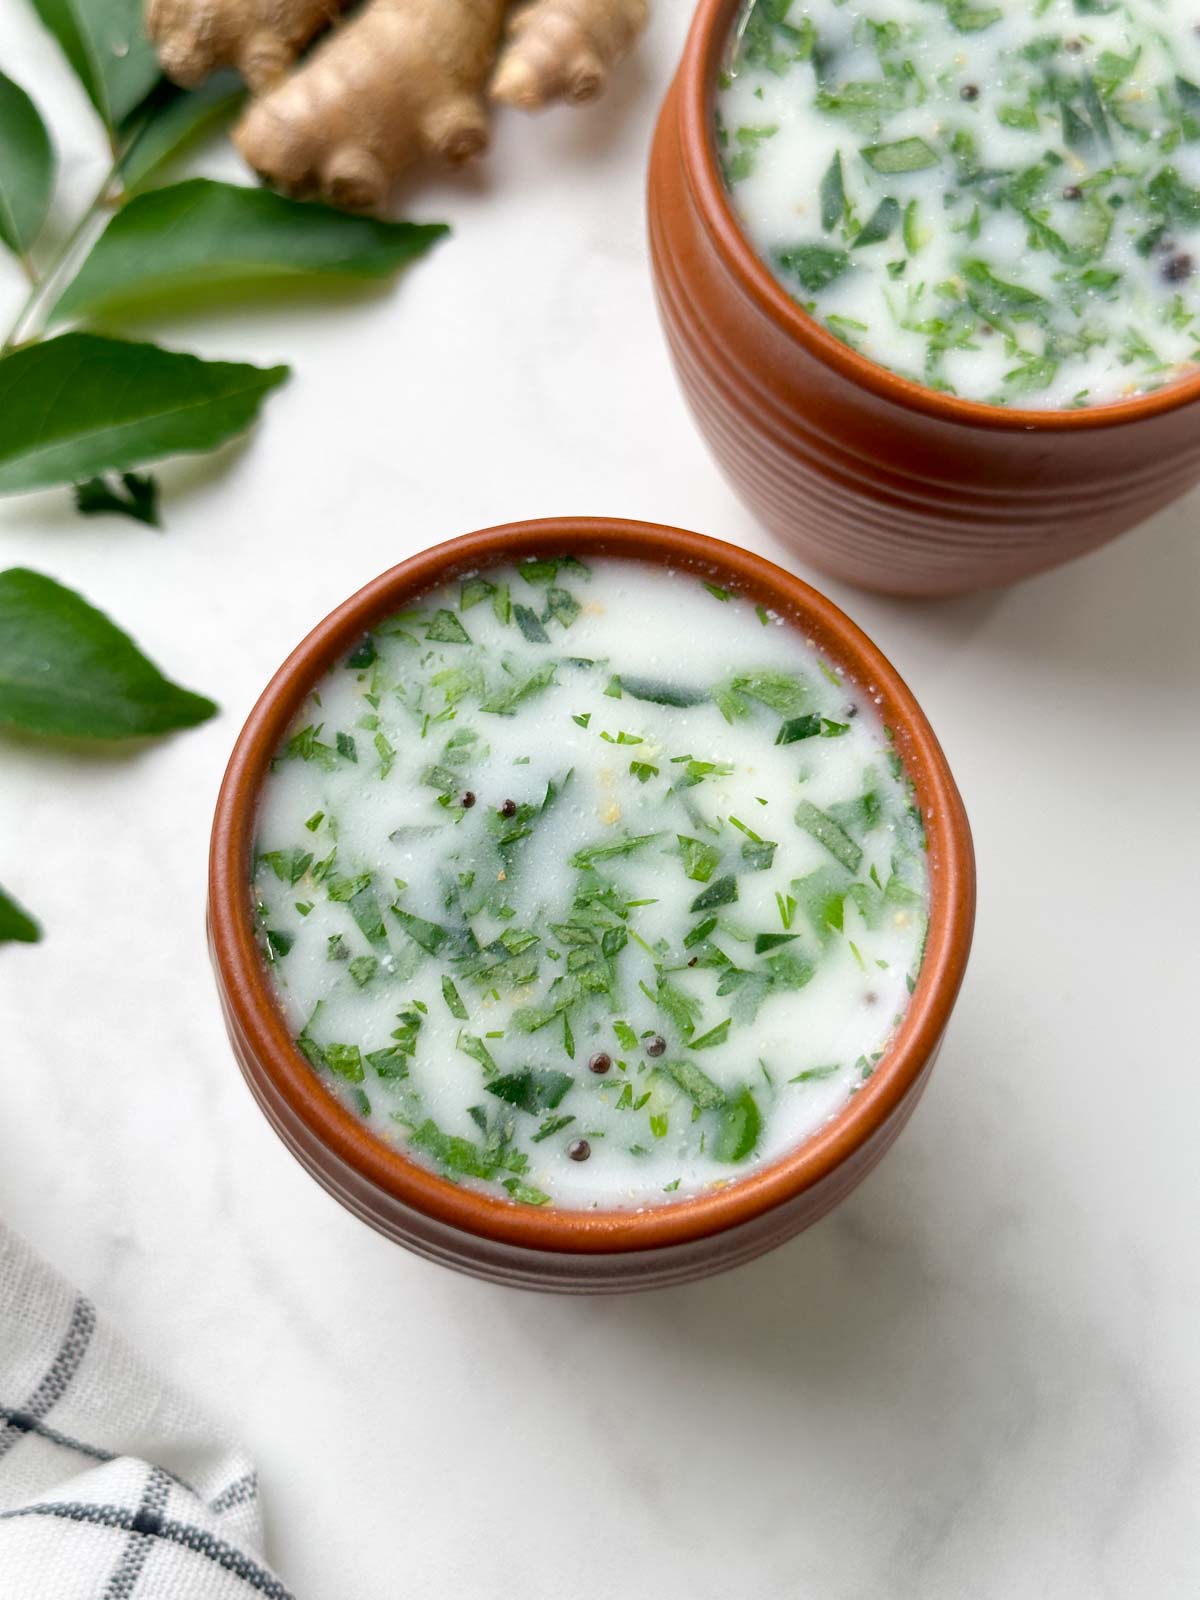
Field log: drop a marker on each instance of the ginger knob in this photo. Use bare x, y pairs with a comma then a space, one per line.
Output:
260, 38
402, 80
564, 50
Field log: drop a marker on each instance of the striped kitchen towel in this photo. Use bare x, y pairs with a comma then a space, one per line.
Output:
112, 1487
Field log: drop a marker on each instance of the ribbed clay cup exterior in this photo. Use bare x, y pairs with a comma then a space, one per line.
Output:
869, 476
546, 1247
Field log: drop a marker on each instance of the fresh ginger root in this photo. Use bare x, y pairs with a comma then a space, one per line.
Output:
261, 38
404, 79
564, 50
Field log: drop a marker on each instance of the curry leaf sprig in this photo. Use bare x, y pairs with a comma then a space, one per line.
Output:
139, 244
85, 408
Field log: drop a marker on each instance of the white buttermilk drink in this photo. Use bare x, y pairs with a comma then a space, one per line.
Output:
591, 886
995, 198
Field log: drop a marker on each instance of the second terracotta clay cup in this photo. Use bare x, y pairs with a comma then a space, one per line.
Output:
548, 1247
871, 477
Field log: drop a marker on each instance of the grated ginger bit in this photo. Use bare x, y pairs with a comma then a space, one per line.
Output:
901, 919
593, 608
501, 875
611, 813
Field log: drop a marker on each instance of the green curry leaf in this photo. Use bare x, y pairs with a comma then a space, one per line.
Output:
81, 405
66, 670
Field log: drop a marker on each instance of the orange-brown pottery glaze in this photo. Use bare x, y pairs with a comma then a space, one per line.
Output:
871, 477
545, 1247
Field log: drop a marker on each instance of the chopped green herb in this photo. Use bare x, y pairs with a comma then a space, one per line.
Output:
562, 606
363, 969
700, 860
387, 755
591, 854
289, 866
550, 1127
363, 654
471, 1045
473, 592
880, 225
833, 194
697, 1085
429, 935
530, 625
525, 1193
714, 1036
453, 999
814, 266
826, 831
505, 699
903, 155
738, 1128
796, 728
531, 1090
345, 1060
721, 893
663, 694
445, 628
815, 1074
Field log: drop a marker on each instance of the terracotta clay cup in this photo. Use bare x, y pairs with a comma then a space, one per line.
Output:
544, 1247
867, 475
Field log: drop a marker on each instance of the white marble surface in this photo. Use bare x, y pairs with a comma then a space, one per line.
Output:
979, 1377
